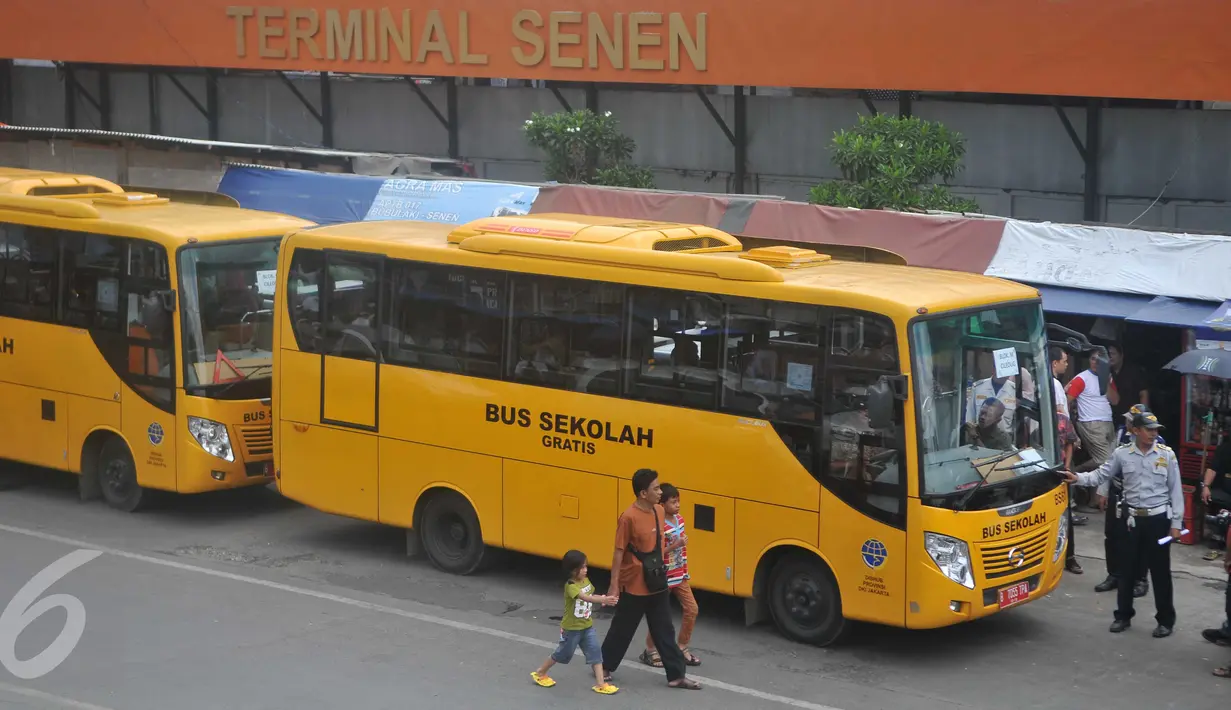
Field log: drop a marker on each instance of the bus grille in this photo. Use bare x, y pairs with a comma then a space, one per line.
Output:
1030, 550
258, 440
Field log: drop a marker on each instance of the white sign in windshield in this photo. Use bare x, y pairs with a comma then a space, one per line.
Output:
266, 281
1006, 362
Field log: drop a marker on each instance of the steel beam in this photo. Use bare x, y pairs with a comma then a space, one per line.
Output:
741, 141
905, 106
454, 124
1068, 128
326, 114
70, 97
6, 90
448, 118
867, 101
212, 114
104, 98
709, 106
151, 78
427, 101
204, 111
1094, 125
560, 97
1088, 150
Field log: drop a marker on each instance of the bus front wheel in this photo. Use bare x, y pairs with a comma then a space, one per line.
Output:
805, 601
449, 530
117, 477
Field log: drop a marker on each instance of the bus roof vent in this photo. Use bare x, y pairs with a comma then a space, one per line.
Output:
129, 199
48, 206
784, 257
43, 183
610, 231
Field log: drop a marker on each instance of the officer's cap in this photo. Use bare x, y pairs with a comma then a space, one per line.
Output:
1135, 410
1146, 420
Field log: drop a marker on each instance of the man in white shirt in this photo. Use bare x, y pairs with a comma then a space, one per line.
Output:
1088, 400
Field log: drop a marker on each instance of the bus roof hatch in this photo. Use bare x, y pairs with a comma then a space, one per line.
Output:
586, 229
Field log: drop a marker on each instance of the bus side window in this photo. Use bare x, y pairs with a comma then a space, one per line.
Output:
30, 269
862, 465
673, 343
566, 333
93, 266
773, 359
447, 318
148, 325
304, 298
352, 307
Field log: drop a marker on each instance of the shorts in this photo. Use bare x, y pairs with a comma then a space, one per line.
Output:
570, 640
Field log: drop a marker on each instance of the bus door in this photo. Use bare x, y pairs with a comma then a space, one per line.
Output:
350, 358
344, 447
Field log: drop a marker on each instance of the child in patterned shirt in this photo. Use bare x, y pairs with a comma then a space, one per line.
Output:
675, 556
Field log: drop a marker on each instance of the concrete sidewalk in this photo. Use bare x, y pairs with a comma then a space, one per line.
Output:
1185, 559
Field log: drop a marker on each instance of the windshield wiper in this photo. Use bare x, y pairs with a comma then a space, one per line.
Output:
995, 467
227, 387
965, 501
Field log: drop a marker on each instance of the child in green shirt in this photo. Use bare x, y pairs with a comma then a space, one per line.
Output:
577, 626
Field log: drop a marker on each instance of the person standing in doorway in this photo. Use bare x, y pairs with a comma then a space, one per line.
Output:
1154, 508
1088, 401
1128, 383
1066, 435
639, 538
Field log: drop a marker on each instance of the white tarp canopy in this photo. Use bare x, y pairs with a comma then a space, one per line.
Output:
1114, 259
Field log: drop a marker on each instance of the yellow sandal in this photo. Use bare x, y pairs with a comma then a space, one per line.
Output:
543, 681
607, 689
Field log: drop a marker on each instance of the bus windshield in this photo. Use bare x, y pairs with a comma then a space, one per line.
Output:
227, 309
985, 405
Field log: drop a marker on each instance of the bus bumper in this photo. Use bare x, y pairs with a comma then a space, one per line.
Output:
938, 601
202, 472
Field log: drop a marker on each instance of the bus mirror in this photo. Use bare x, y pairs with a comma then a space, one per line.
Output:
882, 397
168, 300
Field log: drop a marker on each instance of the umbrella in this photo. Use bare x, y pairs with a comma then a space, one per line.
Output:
1211, 363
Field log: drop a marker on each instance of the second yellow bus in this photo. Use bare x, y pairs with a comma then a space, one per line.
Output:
852, 441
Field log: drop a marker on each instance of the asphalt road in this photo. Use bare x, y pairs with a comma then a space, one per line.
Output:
247, 600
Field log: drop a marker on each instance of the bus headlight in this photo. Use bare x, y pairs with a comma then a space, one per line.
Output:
212, 436
952, 556
1062, 537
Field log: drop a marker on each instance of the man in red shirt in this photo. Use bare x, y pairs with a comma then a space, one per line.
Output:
640, 527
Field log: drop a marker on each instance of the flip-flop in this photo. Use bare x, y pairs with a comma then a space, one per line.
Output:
686, 684
1224, 672
607, 689
543, 681
1212, 555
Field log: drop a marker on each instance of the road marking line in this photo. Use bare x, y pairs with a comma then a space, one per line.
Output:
40, 695
394, 611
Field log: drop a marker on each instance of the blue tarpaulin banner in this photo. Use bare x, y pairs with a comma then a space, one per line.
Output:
329, 198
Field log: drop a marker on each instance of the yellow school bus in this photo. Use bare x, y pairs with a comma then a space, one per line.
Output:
495, 385
135, 337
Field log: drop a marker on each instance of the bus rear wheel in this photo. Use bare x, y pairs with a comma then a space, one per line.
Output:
449, 530
805, 601
117, 477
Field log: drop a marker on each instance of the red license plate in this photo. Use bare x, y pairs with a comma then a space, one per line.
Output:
1014, 594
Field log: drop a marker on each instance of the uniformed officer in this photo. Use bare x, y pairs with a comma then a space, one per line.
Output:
1153, 505
1115, 527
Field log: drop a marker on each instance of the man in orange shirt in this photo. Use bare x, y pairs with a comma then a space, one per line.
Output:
638, 532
